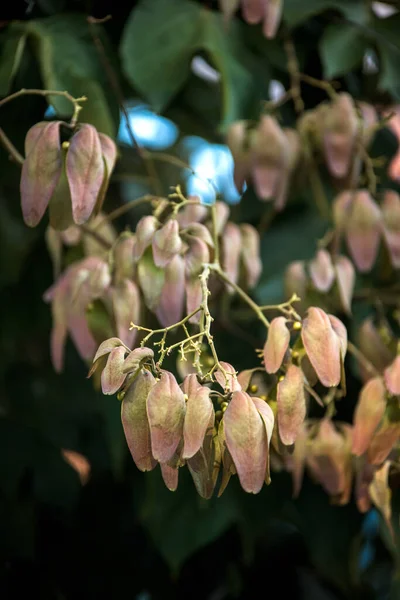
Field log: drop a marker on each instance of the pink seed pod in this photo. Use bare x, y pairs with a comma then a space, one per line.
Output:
166, 414
392, 377
166, 243
231, 248
247, 441
369, 412
85, 171
135, 359
321, 271
113, 376
123, 260
323, 346
363, 230
205, 464
126, 305
135, 422
277, 344
192, 213
383, 441
391, 225
329, 460
345, 280
291, 401
339, 126
269, 158
228, 380
172, 298
145, 230
199, 410
372, 345
250, 254
41, 170
381, 494
170, 476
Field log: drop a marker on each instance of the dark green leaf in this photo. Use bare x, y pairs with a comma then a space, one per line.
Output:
12, 44
296, 12
69, 61
158, 64
342, 49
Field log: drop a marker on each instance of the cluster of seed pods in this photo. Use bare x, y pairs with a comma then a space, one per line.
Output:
70, 177
269, 156
177, 425
158, 266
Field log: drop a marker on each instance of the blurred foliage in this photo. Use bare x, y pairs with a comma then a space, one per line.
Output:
123, 535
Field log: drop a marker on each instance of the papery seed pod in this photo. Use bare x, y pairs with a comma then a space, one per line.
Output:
269, 157
383, 441
60, 208
194, 296
381, 494
250, 254
228, 466
296, 462
85, 171
253, 10
197, 255
231, 247
392, 377
170, 476
166, 243
199, 231
322, 346
151, 279
135, 422
342, 206
227, 380
125, 300
109, 156
267, 416
293, 155
363, 230
276, 346
79, 463
321, 271
172, 298
247, 442
106, 347
368, 414
192, 213
272, 17
41, 170
291, 405
204, 465
228, 8
135, 359
372, 346
329, 458
345, 280
295, 280
339, 132
123, 257
112, 376
237, 140
199, 410
92, 246
244, 378
341, 332
222, 212
391, 225
145, 230
166, 413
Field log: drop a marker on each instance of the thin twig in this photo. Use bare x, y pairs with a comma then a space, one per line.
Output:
293, 68
9, 146
34, 92
96, 236
362, 359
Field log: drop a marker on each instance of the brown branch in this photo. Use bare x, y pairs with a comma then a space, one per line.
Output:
9, 146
